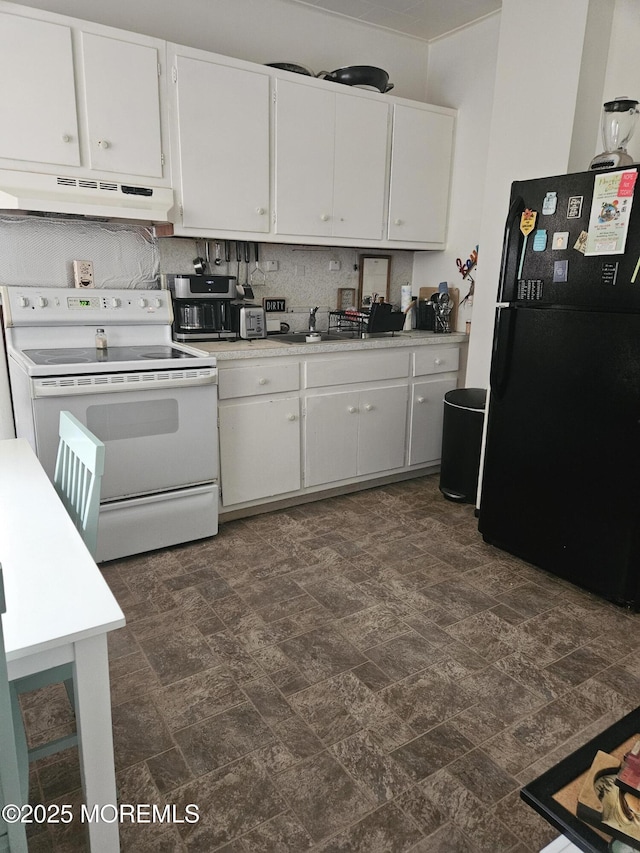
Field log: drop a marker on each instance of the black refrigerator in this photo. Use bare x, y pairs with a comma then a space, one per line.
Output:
560, 481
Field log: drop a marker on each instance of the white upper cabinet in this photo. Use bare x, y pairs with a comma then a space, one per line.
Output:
420, 174
330, 162
122, 105
79, 96
37, 95
220, 143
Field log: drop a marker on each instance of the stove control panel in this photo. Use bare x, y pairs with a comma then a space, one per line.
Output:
65, 306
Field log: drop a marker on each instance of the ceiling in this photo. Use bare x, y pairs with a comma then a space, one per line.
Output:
423, 19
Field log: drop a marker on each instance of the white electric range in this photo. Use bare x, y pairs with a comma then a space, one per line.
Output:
152, 402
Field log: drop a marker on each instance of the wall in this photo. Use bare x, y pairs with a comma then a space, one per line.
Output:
531, 131
263, 31
461, 75
623, 68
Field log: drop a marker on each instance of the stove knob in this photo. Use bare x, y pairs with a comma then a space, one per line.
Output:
157, 303
23, 302
115, 303
142, 302
42, 302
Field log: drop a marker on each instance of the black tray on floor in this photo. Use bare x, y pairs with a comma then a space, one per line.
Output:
539, 793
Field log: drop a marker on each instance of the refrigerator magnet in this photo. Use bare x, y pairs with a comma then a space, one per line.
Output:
574, 207
527, 224
560, 240
560, 271
549, 204
581, 242
540, 240
609, 273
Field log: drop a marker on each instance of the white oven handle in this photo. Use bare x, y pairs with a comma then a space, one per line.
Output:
120, 382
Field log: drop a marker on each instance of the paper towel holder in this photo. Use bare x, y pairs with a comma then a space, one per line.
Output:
375, 275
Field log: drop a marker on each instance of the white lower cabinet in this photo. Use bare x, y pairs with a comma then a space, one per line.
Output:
425, 424
297, 425
259, 448
354, 433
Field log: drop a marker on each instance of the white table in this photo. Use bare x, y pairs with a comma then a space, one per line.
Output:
59, 610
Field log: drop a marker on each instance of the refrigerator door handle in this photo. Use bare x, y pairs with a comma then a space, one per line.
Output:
502, 346
510, 251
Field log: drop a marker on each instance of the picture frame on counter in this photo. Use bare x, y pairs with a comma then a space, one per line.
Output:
346, 298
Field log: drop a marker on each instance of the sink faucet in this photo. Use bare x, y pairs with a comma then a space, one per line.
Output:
312, 319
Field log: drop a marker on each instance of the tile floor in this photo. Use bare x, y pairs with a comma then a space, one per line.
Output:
358, 674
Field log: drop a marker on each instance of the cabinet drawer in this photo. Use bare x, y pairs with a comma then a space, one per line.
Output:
264, 379
436, 360
366, 367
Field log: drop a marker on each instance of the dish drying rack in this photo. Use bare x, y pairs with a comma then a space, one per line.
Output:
349, 321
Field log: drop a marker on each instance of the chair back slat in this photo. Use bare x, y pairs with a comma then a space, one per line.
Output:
78, 476
12, 788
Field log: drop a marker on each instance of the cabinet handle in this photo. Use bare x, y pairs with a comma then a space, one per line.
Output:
102, 143
368, 407
397, 221
324, 217
66, 137
352, 410
291, 417
260, 211
262, 381
421, 399
438, 362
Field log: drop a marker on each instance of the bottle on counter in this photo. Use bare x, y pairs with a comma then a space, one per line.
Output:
101, 339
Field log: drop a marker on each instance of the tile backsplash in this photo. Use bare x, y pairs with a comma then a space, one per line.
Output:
39, 251
303, 276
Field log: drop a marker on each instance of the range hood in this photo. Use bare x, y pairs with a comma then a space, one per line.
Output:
35, 192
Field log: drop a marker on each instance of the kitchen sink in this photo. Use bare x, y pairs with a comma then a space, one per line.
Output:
325, 337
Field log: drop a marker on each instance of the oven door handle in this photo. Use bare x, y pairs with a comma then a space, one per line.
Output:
66, 386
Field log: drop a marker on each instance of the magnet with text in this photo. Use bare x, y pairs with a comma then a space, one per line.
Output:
609, 272
527, 224
574, 207
560, 271
560, 240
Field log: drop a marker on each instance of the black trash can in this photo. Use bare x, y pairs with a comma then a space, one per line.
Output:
461, 441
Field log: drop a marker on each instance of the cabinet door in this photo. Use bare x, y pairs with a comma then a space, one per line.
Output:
305, 129
37, 95
223, 145
122, 100
382, 429
420, 174
427, 412
360, 167
259, 449
331, 437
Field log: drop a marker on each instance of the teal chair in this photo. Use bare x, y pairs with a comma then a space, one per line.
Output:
78, 475
14, 766
77, 480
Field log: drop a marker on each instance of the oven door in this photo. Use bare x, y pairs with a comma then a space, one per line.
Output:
156, 438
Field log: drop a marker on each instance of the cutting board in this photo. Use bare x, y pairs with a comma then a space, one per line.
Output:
454, 296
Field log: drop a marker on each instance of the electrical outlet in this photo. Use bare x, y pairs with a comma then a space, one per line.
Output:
269, 266
299, 270
83, 273
334, 266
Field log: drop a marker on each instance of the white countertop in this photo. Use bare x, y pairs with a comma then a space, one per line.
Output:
232, 350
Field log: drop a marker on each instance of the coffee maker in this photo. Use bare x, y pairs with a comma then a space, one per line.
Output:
202, 306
